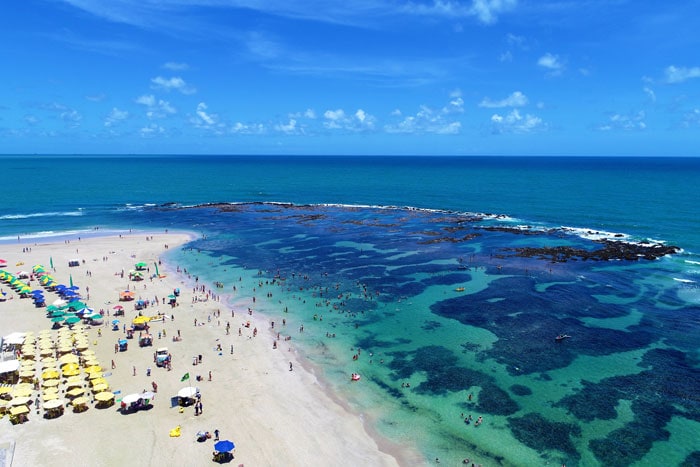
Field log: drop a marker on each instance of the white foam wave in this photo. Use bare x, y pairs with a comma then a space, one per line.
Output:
41, 214
685, 281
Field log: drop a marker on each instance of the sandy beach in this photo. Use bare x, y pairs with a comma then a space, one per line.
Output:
265, 400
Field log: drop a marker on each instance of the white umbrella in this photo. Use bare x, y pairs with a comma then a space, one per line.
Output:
131, 398
188, 392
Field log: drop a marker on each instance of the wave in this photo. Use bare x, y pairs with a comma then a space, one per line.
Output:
42, 214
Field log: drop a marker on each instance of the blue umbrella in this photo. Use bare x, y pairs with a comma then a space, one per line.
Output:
116, 321
224, 446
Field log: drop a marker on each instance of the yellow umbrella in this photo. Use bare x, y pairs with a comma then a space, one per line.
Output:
52, 390
88, 353
49, 396
19, 401
26, 374
50, 374
95, 375
46, 352
79, 401
71, 372
81, 345
90, 361
24, 386
93, 369
104, 396
100, 387
22, 409
70, 358
5, 389
141, 320
50, 383
75, 392
21, 392
70, 366
97, 381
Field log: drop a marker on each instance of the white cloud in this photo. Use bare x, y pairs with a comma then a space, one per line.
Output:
174, 66
31, 120
679, 74
552, 63
691, 119
156, 108
308, 113
245, 129
629, 122
289, 128
487, 10
650, 92
151, 130
97, 97
209, 119
516, 99
428, 120
513, 122
115, 116
147, 100
71, 117
172, 84
358, 121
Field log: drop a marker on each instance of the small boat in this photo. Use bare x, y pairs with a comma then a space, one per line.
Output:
355, 377
561, 337
459, 289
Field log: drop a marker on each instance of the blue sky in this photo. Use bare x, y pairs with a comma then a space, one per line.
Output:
503, 77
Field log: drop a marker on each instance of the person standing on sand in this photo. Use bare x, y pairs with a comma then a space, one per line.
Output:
290, 366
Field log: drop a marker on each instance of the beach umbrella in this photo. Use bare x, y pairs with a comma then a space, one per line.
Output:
148, 395
75, 392
5, 389
70, 366
93, 369
50, 383
50, 374
96, 381
70, 358
100, 387
49, 396
131, 398
224, 446
104, 396
95, 375
24, 400
79, 401
19, 410
72, 320
117, 307
188, 392
51, 390
115, 321
53, 404
141, 320
140, 265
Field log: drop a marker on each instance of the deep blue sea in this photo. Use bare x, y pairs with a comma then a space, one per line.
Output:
443, 281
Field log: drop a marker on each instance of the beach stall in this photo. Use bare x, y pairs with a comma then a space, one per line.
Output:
187, 396
9, 372
53, 408
137, 401
19, 414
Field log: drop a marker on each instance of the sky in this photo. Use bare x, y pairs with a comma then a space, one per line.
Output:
350, 77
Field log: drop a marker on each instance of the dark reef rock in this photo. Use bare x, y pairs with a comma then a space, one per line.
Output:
611, 250
540, 434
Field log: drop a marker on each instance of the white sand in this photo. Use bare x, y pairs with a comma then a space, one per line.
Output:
276, 417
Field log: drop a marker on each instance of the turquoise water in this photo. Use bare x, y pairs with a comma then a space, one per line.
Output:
364, 279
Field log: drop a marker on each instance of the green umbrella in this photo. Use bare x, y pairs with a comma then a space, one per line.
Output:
140, 265
57, 319
77, 305
72, 320
51, 308
95, 316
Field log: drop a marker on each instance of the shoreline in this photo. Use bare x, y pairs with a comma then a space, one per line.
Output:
251, 397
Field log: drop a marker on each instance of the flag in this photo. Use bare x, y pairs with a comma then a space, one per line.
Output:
71, 280
185, 377
51, 261
156, 265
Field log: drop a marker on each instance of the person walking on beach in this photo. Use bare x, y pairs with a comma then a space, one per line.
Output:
290, 366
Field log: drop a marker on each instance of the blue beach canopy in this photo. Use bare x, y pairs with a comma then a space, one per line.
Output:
224, 446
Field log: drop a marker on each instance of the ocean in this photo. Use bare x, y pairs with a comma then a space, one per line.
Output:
442, 281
